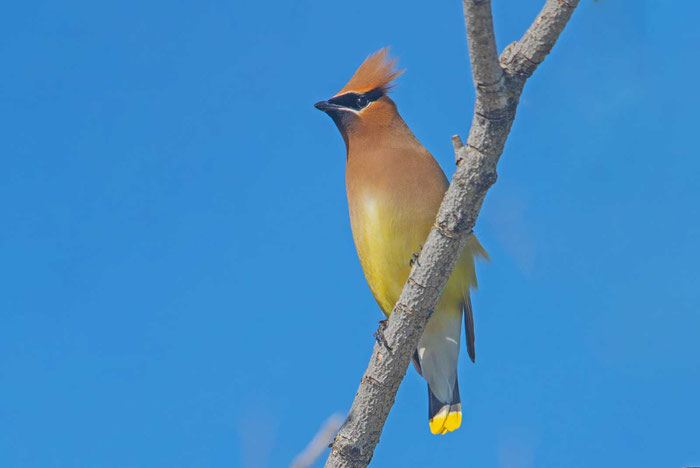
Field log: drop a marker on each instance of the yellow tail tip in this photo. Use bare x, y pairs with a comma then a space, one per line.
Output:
445, 422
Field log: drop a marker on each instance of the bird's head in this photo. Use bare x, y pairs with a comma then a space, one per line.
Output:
363, 105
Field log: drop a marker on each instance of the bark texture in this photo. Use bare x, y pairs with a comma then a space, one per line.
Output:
499, 83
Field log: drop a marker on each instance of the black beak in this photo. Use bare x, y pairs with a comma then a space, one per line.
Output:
326, 106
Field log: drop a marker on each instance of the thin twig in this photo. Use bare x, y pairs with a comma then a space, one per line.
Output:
319, 443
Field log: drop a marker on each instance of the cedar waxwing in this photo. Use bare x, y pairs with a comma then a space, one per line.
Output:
394, 188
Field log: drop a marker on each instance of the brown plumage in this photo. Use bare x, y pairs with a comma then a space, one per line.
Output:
394, 188
378, 71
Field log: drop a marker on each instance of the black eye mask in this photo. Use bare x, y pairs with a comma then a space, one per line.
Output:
357, 101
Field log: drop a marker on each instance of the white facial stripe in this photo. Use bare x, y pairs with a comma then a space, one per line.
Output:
347, 109
356, 112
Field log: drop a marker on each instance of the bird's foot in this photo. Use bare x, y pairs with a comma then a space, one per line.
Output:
379, 334
415, 256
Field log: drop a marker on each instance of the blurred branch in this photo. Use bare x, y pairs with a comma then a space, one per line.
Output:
319, 443
499, 84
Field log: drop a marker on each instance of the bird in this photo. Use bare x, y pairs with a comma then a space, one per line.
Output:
394, 190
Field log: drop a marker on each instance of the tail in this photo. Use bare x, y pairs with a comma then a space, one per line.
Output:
437, 356
444, 416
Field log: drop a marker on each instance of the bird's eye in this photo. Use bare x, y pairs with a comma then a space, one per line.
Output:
362, 101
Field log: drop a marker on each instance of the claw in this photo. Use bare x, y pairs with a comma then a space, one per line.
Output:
379, 334
414, 259
416, 256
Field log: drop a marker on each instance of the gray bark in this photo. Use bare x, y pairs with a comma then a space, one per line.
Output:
498, 83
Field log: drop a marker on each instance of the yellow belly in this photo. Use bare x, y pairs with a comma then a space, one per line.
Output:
387, 237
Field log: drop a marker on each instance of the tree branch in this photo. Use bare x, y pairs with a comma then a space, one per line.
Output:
481, 39
498, 88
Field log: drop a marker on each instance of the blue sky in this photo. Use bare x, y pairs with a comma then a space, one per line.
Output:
179, 282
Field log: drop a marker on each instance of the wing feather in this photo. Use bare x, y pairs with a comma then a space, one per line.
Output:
469, 326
